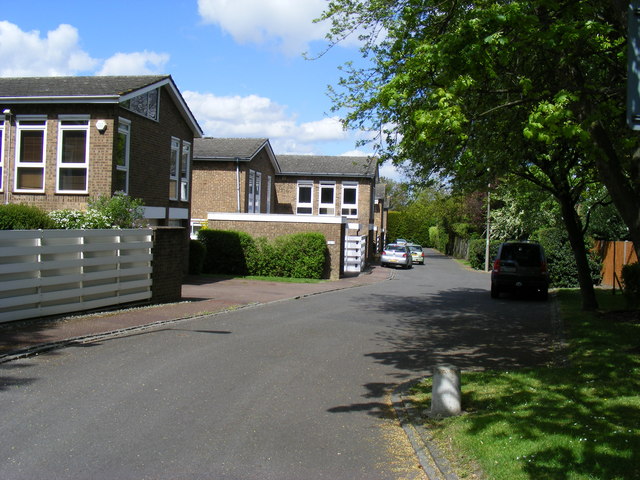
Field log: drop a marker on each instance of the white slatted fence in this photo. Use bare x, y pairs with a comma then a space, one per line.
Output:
52, 272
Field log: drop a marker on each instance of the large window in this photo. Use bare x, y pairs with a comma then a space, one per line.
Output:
174, 169
304, 204
185, 165
146, 104
327, 204
73, 158
122, 156
350, 199
30, 153
254, 191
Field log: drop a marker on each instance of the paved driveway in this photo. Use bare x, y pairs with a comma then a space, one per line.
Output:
297, 389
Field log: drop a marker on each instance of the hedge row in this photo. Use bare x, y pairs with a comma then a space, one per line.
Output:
24, 217
300, 255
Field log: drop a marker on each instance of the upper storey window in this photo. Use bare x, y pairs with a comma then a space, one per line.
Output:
30, 154
146, 104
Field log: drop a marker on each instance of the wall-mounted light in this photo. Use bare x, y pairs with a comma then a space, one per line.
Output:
7, 112
101, 125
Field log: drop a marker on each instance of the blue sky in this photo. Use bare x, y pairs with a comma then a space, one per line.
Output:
238, 63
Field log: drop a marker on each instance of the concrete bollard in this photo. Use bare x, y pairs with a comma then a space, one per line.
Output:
445, 394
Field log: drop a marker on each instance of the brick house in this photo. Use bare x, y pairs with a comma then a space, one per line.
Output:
233, 175
65, 140
239, 184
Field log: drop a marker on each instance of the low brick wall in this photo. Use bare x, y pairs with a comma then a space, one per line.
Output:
273, 226
170, 261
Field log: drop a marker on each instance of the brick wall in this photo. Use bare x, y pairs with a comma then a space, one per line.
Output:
170, 262
271, 228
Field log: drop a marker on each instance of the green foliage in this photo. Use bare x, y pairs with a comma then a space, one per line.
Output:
119, 211
438, 239
225, 251
23, 217
477, 252
197, 254
631, 283
561, 260
300, 255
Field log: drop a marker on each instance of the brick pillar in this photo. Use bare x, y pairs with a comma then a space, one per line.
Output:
170, 255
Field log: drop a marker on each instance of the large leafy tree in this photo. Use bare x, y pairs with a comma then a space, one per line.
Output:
479, 89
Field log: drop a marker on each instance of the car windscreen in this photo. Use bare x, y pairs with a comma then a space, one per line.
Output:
525, 255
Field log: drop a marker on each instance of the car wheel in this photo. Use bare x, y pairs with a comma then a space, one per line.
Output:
495, 292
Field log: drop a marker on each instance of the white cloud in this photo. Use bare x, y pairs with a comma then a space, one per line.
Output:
136, 63
24, 54
288, 24
255, 116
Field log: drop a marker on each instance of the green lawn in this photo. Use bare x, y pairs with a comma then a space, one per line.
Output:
579, 421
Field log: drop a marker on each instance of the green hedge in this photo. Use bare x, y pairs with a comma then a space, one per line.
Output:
300, 255
561, 261
23, 217
477, 252
438, 239
197, 254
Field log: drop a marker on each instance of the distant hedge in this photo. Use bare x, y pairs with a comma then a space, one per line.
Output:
300, 255
631, 282
24, 217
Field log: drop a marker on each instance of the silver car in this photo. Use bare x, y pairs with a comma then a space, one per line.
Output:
394, 254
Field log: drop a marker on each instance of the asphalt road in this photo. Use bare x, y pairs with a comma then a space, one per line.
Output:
297, 389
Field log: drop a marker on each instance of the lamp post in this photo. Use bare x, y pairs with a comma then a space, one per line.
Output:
486, 251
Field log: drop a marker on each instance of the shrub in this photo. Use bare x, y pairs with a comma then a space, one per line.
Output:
119, 211
438, 239
631, 284
301, 255
225, 251
477, 252
23, 217
197, 254
561, 262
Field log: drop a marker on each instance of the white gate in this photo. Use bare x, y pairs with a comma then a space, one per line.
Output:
50, 272
354, 253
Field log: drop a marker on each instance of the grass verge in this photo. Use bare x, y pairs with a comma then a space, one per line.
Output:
579, 421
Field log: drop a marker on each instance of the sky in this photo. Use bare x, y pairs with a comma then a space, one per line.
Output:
239, 64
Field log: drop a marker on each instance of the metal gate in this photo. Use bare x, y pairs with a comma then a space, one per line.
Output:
354, 253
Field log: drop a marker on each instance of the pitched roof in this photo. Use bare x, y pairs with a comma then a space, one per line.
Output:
66, 87
93, 89
330, 166
227, 148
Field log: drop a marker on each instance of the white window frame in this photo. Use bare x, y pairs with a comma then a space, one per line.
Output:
62, 127
328, 209
185, 167
269, 188
257, 193
124, 128
305, 205
174, 169
346, 210
21, 127
251, 192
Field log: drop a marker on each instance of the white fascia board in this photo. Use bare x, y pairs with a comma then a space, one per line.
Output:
154, 212
178, 213
63, 99
262, 217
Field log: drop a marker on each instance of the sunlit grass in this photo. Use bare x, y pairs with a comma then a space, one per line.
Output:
581, 421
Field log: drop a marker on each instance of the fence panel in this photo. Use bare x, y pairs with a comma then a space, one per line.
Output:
614, 256
52, 272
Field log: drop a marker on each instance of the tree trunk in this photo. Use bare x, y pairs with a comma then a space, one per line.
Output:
624, 195
576, 239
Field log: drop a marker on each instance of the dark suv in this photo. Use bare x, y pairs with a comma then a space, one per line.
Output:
520, 266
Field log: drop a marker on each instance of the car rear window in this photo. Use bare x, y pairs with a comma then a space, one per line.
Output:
526, 255
395, 248
415, 248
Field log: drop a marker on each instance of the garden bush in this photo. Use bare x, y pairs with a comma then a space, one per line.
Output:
225, 251
119, 211
561, 262
438, 239
477, 252
197, 254
300, 255
23, 217
631, 284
